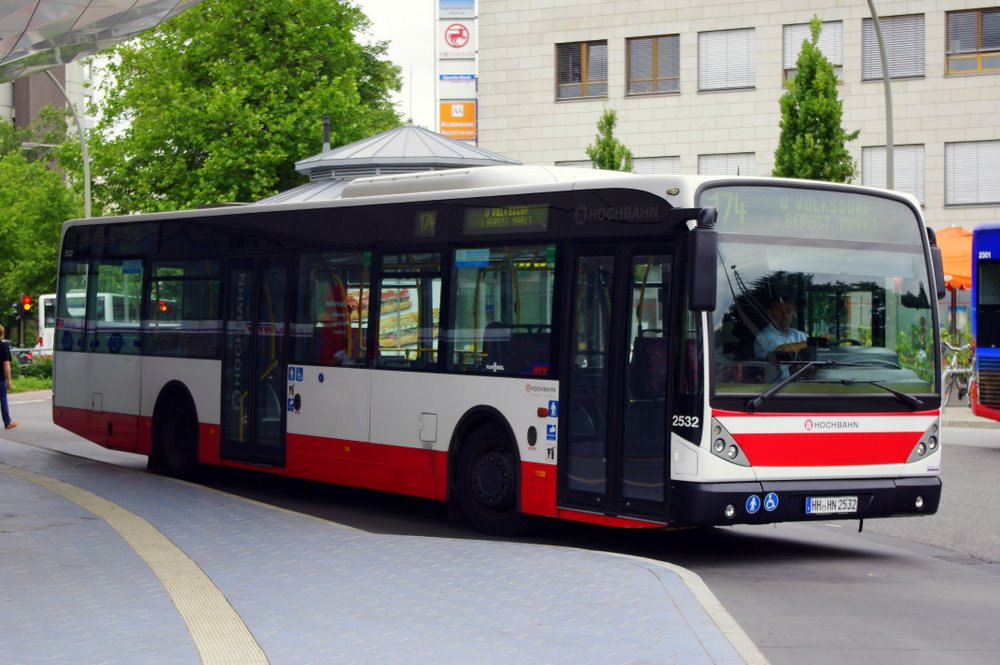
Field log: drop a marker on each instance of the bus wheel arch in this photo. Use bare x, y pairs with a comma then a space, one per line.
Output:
486, 474
175, 432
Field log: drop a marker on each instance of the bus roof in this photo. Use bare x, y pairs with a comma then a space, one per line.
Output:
498, 180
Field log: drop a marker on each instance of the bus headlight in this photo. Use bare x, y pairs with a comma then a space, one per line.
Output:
928, 444
724, 446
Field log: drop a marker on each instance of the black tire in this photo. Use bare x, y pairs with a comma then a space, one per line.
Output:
175, 438
488, 482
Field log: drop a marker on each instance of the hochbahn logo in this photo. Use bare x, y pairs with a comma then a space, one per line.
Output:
811, 424
533, 389
649, 213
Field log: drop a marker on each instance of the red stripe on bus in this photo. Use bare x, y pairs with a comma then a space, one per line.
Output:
835, 449
411, 471
117, 431
538, 489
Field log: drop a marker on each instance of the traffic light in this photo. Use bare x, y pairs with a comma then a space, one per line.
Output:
25, 304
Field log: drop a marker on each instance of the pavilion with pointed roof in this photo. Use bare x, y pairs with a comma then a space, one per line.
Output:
406, 149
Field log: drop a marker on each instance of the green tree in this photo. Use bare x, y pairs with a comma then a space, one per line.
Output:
813, 142
35, 141
607, 152
218, 103
34, 202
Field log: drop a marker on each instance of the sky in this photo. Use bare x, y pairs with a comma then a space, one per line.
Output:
410, 30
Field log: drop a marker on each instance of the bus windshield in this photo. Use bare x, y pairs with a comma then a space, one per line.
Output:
835, 280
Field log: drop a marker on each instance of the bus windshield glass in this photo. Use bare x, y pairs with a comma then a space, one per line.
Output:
835, 280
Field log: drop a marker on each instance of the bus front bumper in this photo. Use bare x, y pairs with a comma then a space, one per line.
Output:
713, 504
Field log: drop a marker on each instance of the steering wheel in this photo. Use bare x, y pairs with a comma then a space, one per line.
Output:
846, 341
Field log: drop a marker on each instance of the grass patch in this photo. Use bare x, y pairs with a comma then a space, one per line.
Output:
27, 384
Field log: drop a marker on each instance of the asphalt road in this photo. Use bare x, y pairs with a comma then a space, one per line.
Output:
914, 590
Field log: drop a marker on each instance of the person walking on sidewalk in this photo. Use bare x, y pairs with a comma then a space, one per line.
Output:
7, 384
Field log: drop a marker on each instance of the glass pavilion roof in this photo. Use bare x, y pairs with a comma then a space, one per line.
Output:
38, 34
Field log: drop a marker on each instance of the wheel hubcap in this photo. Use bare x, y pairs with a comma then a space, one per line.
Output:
492, 479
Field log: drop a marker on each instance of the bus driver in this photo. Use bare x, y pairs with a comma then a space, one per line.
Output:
779, 335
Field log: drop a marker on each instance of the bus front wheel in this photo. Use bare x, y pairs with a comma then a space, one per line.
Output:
175, 438
487, 482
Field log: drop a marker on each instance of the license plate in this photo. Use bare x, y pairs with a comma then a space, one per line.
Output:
831, 505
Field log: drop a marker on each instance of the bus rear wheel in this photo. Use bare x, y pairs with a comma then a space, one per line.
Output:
487, 481
175, 438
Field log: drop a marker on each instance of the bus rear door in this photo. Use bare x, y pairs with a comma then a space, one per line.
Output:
254, 361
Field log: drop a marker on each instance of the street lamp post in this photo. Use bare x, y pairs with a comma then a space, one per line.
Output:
889, 148
83, 145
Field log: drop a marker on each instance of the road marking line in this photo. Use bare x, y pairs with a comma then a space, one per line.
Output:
218, 632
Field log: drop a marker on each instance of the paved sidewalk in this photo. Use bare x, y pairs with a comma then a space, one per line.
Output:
104, 564
961, 415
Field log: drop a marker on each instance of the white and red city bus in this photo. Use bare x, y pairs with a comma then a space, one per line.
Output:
526, 341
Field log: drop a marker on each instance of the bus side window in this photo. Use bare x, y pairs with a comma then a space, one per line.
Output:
501, 307
332, 309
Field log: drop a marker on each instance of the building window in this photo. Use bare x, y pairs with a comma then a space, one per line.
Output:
973, 41
582, 70
740, 163
904, 47
657, 165
831, 45
726, 59
970, 173
654, 65
907, 168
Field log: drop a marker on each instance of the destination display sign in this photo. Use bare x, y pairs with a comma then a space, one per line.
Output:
507, 219
811, 213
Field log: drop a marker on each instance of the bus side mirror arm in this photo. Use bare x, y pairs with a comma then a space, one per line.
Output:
702, 245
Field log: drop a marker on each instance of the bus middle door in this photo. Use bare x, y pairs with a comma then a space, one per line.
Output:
254, 361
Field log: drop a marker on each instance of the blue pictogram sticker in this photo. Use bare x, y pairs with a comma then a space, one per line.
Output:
291, 404
550, 432
298, 373
322, 377
753, 504
115, 342
291, 373
771, 502
553, 408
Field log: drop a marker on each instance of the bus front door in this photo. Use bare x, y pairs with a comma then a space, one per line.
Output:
254, 362
614, 459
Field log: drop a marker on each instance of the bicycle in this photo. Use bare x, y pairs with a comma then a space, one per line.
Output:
955, 378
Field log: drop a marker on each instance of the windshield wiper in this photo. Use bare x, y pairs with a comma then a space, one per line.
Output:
909, 400
754, 403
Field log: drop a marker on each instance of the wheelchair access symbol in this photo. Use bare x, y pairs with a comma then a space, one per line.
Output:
771, 502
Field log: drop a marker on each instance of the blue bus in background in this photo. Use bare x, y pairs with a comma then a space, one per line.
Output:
985, 390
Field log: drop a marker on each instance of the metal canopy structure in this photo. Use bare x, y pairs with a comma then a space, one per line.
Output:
406, 149
38, 34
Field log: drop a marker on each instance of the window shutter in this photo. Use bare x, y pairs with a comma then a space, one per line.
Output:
970, 173
904, 47
657, 165
731, 164
831, 43
963, 33
907, 167
726, 59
